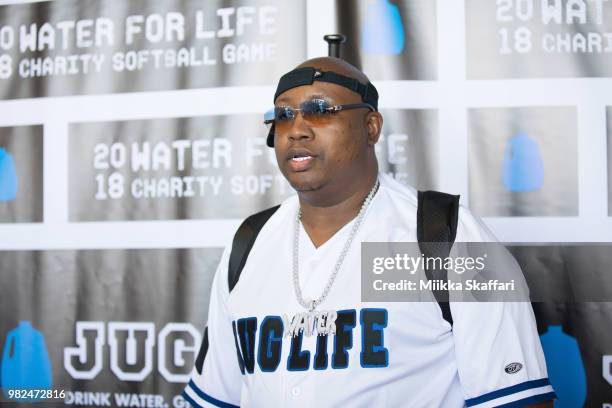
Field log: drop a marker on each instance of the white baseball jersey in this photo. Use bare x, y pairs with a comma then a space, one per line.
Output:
394, 354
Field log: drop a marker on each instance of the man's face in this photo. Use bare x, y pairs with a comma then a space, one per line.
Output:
327, 152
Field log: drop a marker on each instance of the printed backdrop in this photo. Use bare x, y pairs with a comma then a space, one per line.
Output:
131, 146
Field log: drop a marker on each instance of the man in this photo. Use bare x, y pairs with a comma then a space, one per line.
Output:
304, 267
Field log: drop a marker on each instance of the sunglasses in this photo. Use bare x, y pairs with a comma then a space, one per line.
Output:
315, 111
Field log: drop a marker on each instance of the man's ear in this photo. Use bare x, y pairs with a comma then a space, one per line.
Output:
374, 122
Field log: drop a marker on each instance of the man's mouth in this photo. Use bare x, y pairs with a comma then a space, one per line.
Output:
300, 158
300, 161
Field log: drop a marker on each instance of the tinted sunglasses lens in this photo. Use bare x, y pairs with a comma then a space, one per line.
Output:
269, 118
315, 108
283, 113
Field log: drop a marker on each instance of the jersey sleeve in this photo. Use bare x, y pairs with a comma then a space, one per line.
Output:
216, 379
498, 351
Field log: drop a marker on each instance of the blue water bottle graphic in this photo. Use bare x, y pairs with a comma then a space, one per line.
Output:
523, 169
565, 368
8, 176
383, 31
25, 360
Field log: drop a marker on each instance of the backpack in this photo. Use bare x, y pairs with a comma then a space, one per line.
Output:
437, 217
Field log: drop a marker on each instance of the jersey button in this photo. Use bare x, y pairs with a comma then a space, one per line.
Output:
296, 391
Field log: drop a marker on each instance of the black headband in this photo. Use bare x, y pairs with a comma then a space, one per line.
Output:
306, 76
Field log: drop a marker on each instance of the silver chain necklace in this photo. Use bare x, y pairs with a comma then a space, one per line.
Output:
322, 322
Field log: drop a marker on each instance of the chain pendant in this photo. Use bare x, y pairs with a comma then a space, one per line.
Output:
321, 323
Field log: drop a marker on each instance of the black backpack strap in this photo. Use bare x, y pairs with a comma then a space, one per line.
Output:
243, 242
241, 246
199, 363
437, 217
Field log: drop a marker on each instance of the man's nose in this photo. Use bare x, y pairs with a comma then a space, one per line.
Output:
299, 128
